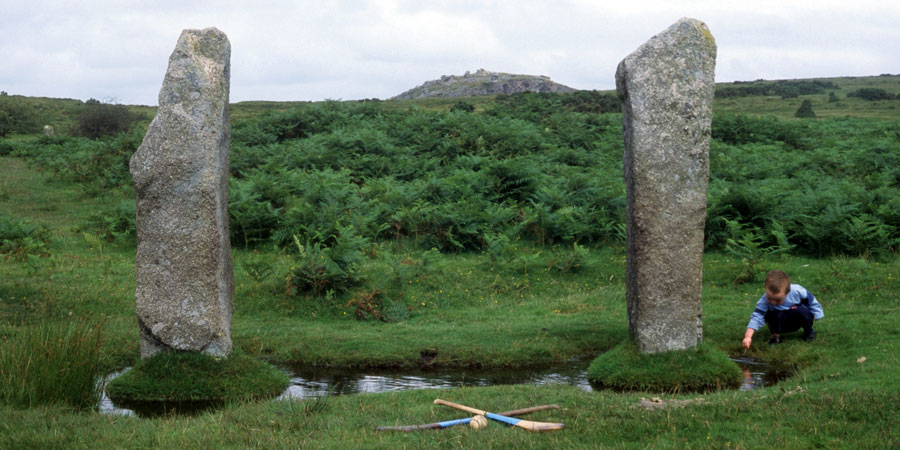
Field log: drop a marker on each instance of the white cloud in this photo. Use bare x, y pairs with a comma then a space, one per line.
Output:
310, 50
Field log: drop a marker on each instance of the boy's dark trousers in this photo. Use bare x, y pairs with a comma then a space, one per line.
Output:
793, 319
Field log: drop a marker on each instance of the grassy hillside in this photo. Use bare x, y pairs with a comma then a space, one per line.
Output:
61, 113
753, 105
844, 107
485, 239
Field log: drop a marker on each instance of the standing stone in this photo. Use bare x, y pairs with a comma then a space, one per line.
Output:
667, 88
185, 280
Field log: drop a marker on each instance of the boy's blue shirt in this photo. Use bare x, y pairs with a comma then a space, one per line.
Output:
795, 297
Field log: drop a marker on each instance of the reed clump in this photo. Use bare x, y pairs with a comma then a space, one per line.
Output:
51, 363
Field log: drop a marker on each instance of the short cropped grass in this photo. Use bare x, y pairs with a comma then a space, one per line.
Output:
703, 369
51, 363
187, 376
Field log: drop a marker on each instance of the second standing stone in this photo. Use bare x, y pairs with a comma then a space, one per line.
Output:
667, 87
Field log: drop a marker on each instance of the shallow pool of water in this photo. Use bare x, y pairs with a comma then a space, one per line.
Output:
306, 383
314, 383
758, 374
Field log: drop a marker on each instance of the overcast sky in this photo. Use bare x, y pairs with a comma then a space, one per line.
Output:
352, 49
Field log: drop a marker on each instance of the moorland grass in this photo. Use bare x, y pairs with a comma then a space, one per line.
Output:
784, 108
795, 415
51, 363
468, 309
703, 369
188, 376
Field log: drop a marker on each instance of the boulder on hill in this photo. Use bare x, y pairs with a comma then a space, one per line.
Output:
483, 82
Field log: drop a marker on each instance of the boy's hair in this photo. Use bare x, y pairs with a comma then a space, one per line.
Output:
777, 281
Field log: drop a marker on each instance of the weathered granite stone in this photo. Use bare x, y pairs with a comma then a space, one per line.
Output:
185, 280
667, 89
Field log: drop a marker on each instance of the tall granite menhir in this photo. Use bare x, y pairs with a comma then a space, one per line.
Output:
185, 280
667, 87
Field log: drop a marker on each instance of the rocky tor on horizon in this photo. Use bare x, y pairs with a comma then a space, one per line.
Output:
483, 82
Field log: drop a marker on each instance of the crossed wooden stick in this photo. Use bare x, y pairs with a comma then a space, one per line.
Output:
501, 417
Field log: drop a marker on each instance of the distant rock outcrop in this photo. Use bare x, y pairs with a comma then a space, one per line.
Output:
483, 82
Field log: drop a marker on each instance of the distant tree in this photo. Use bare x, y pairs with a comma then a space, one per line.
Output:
871, 94
99, 119
832, 97
805, 111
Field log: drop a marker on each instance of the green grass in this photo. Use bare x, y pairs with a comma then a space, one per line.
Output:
453, 304
702, 369
51, 363
845, 107
186, 376
248, 109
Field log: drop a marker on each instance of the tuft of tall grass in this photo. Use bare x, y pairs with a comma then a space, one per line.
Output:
51, 363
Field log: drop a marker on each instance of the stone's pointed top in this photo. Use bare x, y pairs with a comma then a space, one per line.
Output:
209, 42
684, 54
199, 70
206, 32
705, 30
684, 34
686, 24
691, 22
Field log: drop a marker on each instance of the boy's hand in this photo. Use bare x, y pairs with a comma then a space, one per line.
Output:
748, 337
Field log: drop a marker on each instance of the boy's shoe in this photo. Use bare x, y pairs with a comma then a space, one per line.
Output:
774, 340
810, 337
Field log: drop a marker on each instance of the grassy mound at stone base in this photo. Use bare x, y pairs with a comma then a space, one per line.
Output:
188, 376
625, 368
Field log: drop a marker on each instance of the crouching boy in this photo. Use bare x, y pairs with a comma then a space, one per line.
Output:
784, 308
